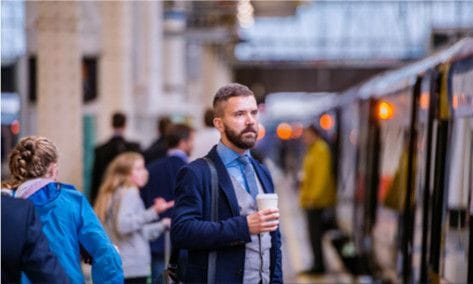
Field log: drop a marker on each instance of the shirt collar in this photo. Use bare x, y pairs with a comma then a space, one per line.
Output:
228, 155
178, 153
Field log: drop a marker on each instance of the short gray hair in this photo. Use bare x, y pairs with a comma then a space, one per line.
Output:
229, 91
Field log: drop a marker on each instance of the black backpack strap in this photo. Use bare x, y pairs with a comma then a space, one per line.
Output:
214, 184
175, 252
211, 269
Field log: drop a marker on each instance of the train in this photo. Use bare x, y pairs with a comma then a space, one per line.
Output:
403, 146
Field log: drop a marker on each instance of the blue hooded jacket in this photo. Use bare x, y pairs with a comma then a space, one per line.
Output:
68, 220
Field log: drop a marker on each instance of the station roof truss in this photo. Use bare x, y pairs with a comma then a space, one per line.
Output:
353, 30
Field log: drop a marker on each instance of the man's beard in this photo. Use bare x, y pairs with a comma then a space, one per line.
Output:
238, 140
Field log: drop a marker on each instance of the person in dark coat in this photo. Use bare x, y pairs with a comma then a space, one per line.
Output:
24, 246
159, 147
105, 153
161, 182
246, 240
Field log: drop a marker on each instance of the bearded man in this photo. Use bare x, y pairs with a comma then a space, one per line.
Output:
247, 242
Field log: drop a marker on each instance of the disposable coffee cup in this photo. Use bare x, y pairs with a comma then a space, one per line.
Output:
267, 201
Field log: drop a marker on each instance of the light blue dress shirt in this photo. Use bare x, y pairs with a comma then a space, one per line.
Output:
231, 163
257, 256
178, 153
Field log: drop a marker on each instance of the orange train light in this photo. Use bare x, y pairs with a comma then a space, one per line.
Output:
455, 101
261, 132
284, 131
326, 121
384, 110
424, 100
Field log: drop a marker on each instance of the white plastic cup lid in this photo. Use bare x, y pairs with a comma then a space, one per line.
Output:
267, 196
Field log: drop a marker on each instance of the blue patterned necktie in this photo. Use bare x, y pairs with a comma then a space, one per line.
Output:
249, 175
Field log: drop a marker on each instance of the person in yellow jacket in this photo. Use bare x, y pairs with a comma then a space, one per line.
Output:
317, 191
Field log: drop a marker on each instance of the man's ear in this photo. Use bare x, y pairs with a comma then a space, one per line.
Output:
218, 123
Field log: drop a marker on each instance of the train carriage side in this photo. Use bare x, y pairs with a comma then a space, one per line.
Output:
381, 158
394, 149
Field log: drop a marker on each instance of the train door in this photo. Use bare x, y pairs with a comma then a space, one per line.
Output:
393, 113
421, 225
455, 244
361, 217
348, 141
365, 195
439, 140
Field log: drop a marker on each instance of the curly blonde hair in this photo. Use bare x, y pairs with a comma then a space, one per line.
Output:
118, 174
30, 159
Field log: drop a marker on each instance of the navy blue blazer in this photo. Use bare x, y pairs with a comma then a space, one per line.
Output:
24, 246
192, 230
161, 182
156, 151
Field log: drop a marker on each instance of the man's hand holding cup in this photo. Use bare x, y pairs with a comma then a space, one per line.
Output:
266, 219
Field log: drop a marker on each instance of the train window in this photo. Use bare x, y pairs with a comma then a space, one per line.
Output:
459, 169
